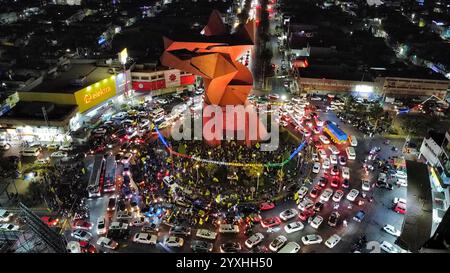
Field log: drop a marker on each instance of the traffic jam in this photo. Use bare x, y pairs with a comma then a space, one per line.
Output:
124, 213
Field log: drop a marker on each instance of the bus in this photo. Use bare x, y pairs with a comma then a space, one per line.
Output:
96, 176
336, 134
110, 174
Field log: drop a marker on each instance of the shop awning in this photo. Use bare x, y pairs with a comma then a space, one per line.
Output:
417, 226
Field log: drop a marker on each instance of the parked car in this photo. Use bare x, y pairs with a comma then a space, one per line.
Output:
254, 240
391, 230
230, 247
293, 227
107, 243
333, 219
316, 222
311, 239
333, 241
288, 214
278, 243
145, 238
82, 235
201, 246
173, 241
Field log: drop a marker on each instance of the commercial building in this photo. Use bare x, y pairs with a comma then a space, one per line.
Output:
53, 107
160, 80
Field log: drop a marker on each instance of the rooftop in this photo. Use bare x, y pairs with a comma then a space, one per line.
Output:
64, 83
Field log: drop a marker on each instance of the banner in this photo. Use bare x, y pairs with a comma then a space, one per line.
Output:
172, 78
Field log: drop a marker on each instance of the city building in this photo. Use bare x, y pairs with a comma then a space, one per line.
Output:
435, 150
54, 106
160, 80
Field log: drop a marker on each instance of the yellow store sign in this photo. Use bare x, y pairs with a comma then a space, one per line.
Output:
95, 94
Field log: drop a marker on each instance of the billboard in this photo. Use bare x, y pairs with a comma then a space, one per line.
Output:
96, 93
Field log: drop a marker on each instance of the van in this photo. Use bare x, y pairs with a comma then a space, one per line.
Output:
350, 153
352, 140
228, 228
291, 247
34, 151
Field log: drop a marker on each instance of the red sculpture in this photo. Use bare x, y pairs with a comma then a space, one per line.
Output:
214, 58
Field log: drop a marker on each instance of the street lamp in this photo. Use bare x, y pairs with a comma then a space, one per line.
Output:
196, 167
257, 182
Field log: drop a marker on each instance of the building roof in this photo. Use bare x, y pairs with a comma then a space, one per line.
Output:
416, 228
63, 82
31, 113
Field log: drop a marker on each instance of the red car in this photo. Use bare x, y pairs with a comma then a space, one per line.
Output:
271, 222
266, 206
334, 183
50, 221
86, 247
315, 191
305, 214
400, 207
81, 224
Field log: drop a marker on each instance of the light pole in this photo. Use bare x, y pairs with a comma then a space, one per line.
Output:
196, 167
257, 182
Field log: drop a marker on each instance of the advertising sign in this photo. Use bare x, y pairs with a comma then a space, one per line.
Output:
172, 77
95, 94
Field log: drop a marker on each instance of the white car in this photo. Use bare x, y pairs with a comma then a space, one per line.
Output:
59, 154
317, 221
101, 226
293, 227
324, 139
333, 159
162, 101
401, 181
311, 239
326, 163
351, 196
206, 234
145, 238
391, 230
226, 228
346, 172
322, 154
291, 247
388, 247
316, 98
302, 192
254, 240
365, 185
278, 243
9, 227
107, 243
326, 194
305, 204
173, 241
333, 240
401, 174
333, 149
338, 195
316, 167
82, 235
288, 214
